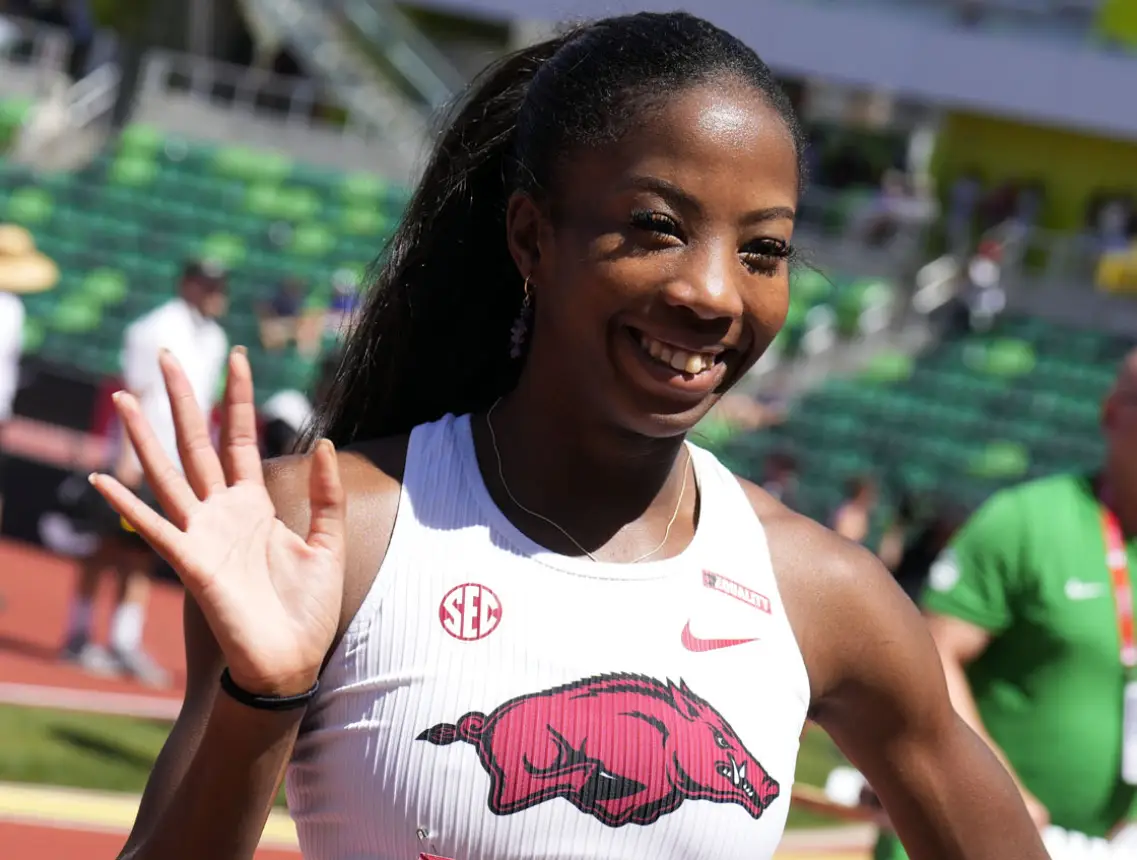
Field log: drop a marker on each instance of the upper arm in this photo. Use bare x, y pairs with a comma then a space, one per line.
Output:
886, 705
878, 689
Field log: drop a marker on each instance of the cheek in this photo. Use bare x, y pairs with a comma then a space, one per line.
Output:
768, 304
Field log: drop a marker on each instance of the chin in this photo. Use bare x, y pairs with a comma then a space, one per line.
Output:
650, 418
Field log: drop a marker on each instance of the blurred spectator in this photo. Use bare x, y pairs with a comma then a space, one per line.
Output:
921, 549
1112, 224
998, 206
1028, 206
279, 317
187, 328
899, 206
963, 205
904, 519
344, 303
22, 270
852, 518
976, 308
287, 413
985, 297
780, 478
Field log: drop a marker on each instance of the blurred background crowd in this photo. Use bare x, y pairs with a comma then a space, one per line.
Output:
970, 230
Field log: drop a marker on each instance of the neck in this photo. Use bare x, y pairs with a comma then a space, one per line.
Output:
1119, 497
590, 479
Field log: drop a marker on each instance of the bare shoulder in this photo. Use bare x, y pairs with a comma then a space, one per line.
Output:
372, 475
842, 603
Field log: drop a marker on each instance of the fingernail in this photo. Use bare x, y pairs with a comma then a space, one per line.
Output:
91, 478
117, 396
240, 350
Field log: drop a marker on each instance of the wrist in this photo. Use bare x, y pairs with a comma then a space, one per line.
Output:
283, 687
243, 725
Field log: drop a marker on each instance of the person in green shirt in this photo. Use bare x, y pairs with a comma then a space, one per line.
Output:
1021, 606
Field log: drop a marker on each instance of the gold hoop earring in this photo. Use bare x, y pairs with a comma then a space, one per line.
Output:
520, 331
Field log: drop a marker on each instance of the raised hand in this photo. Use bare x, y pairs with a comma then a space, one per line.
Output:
271, 597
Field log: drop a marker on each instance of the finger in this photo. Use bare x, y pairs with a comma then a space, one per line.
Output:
203, 469
240, 453
163, 477
157, 531
326, 500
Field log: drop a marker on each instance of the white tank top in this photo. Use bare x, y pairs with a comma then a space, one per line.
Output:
495, 701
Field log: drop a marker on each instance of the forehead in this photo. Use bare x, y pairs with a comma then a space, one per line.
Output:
722, 143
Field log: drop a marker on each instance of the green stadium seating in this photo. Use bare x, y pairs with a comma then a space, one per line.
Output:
960, 421
121, 228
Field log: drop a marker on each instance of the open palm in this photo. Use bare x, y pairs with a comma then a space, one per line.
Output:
271, 597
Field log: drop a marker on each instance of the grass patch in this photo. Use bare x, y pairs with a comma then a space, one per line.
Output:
75, 750
117, 753
818, 756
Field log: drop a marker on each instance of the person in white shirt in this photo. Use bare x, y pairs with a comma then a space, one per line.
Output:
11, 344
187, 327
23, 270
286, 414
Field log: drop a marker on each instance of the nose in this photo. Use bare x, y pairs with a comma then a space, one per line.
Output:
707, 286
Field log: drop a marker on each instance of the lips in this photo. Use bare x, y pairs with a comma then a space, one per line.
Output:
676, 357
670, 370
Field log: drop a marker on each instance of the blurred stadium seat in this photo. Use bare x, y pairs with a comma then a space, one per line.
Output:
964, 419
121, 228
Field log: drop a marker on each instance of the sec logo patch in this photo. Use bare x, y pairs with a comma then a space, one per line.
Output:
470, 612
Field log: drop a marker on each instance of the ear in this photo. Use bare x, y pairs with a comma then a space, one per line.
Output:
524, 224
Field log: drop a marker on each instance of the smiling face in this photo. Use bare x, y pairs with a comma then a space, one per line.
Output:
659, 262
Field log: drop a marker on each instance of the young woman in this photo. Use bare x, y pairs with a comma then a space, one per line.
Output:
518, 616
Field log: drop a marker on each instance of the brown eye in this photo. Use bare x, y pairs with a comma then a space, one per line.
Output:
764, 256
654, 222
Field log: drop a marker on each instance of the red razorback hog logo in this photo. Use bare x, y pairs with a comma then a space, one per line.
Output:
623, 748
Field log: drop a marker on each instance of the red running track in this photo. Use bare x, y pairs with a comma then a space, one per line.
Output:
35, 592
35, 589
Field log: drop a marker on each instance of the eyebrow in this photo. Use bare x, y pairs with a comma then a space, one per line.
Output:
677, 195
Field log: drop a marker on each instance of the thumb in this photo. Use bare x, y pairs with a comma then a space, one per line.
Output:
326, 501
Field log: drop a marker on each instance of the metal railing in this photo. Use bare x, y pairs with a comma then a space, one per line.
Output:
294, 101
320, 44
94, 96
411, 55
203, 99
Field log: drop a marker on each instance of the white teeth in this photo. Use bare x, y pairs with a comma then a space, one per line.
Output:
678, 359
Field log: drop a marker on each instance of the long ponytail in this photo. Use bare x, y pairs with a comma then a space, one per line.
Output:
433, 335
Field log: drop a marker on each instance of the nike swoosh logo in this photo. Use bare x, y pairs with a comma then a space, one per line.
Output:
693, 643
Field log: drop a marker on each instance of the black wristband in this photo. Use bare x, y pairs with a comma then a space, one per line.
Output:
266, 703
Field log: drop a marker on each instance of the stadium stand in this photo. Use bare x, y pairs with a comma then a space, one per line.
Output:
967, 417
121, 228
